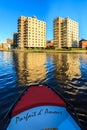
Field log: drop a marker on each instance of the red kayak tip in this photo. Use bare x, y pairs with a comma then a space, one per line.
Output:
35, 96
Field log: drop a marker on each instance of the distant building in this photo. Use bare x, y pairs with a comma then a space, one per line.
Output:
66, 33
6, 46
83, 43
31, 32
15, 39
9, 41
50, 44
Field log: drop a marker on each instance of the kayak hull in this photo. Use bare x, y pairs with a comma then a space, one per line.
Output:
40, 108
42, 118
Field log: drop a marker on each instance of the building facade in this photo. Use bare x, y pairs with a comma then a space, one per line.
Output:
50, 44
9, 41
31, 32
83, 43
66, 33
15, 39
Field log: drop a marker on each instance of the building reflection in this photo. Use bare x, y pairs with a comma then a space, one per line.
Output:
20, 67
7, 56
30, 67
73, 66
35, 65
67, 73
67, 66
60, 61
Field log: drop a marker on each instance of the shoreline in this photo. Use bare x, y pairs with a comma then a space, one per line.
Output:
45, 51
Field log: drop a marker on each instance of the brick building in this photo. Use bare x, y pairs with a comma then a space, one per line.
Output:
83, 43
50, 44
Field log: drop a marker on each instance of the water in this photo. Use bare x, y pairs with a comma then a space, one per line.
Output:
65, 72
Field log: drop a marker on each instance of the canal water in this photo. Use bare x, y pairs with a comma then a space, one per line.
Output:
66, 73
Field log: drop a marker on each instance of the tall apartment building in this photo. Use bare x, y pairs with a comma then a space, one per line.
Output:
31, 32
66, 33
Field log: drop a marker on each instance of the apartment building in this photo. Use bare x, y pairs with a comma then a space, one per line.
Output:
31, 32
15, 39
66, 32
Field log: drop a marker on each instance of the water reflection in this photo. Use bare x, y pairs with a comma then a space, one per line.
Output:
30, 67
73, 66
67, 66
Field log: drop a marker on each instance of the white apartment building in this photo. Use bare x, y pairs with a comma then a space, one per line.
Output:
31, 32
66, 32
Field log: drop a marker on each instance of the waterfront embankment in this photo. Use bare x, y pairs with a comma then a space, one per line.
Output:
47, 50
50, 50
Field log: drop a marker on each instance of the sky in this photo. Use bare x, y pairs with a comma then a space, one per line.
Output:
45, 10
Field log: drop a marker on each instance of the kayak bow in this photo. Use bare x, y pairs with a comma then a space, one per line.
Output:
40, 108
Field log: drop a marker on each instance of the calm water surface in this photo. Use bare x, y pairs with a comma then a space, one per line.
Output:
66, 73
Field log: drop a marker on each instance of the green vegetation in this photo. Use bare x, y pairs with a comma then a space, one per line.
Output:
76, 49
51, 50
